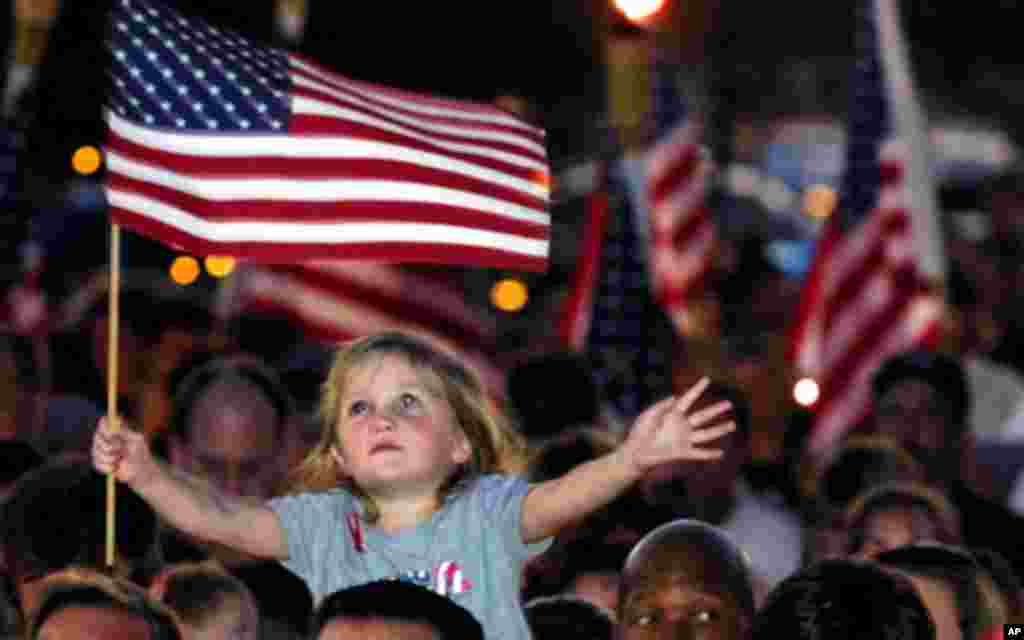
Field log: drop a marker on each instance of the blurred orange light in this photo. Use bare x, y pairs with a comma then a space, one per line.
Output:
219, 266
820, 201
509, 295
86, 160
184, 270
639, 10
544, 180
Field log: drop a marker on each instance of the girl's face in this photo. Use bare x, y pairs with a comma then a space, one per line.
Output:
397, 433
896, 527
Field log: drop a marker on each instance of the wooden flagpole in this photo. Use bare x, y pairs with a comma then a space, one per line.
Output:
112, 340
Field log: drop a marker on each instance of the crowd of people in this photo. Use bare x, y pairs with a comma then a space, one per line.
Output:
285, 490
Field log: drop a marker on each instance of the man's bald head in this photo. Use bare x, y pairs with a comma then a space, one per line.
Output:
688, 575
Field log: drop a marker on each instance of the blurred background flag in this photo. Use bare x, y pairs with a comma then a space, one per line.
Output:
875, 286
610, 314
682, 232
335, 301
219, 145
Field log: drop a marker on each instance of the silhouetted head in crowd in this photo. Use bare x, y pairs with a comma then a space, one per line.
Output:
861, 463
284, 601
86, 605
843, 600
567, 618
921, 399
685, 579
700, 490
391, 609
946, 579
229, 425
593, 572
552, 393
895, 515
210, 603
55, 518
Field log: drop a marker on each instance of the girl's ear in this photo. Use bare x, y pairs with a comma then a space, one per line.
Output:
463, 451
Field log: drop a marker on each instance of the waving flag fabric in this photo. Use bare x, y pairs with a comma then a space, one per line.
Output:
682, 231
335, 301
870, 291
220, 145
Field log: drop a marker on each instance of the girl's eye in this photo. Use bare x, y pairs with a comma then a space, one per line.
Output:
705, 616
643, 619
358, 408
408, 401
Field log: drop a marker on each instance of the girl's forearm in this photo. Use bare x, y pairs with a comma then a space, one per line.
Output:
199, 509
552, 505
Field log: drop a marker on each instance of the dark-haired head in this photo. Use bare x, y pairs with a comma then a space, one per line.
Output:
567, 618
921, 399
843, 600
400, 602
941, 571
54, 519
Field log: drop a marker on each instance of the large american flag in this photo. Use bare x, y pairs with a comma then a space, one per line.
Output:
682, 231
336, 301
220, 145
869, 294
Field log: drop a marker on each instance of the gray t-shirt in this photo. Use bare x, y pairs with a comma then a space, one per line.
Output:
471, 550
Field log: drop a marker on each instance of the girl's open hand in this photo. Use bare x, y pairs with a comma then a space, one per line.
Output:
669, 432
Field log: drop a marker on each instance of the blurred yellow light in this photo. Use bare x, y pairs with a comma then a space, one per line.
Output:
820, 201
639, 10
219, 266
184, 270
509, 295
86, 160
806, 392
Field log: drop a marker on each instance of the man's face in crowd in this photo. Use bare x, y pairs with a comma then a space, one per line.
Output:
233, 440
679, 594
376, 629
914, 414
89, 623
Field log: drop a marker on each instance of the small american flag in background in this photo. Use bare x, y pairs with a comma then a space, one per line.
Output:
682, 231
222, 146
867, 296
628, 338
336, 301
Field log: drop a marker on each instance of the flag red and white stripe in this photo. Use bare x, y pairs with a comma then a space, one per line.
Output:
872, 291
682, 231
338, 301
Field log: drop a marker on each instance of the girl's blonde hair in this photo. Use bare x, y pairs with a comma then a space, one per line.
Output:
496, 447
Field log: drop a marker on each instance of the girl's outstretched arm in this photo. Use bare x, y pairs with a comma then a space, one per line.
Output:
185, 502
665, 432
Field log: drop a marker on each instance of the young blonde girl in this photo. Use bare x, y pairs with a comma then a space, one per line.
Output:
414, 478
